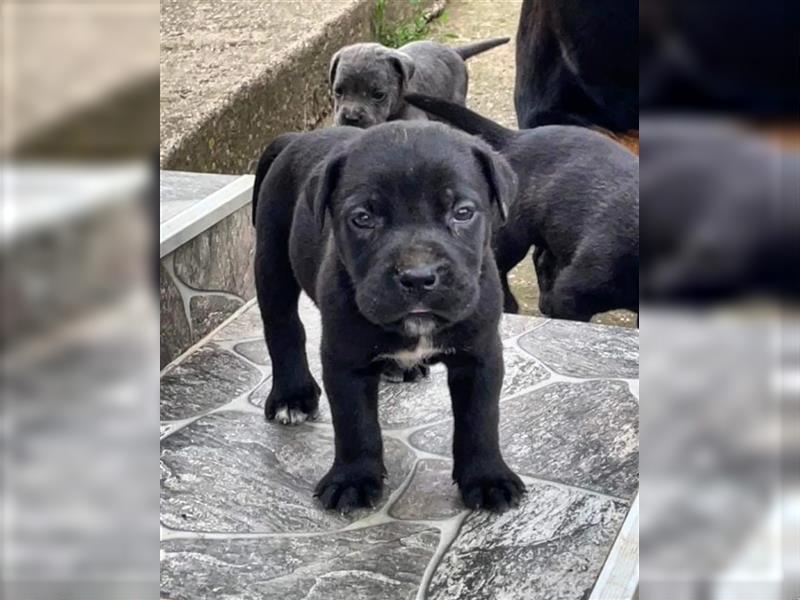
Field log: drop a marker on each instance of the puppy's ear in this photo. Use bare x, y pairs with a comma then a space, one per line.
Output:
501, 178
404, 65
321, 186
334, 64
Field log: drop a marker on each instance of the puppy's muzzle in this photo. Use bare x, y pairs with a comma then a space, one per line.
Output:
352, 117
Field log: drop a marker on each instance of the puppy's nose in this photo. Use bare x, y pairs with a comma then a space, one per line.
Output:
419, 279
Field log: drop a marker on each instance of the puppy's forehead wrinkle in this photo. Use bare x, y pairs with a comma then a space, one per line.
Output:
418, 157
358, 60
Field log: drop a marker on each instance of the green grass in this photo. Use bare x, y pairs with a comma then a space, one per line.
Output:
394, 37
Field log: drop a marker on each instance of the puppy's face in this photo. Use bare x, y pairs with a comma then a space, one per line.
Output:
367, 83
412, 207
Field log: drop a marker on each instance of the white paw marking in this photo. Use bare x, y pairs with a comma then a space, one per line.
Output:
282, 416
290, 416
297, 416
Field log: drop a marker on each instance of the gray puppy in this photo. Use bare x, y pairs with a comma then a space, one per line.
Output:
368, 80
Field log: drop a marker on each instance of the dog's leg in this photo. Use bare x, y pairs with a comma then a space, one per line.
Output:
510, 250
484, 479
510, 304
545, 267
575, 295
356, 477
570, 293
294, 396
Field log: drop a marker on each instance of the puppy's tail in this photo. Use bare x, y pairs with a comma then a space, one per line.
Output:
468, 50
464, 119
265, 162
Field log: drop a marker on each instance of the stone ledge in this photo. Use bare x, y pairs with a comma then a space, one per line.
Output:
206, 249
204, 214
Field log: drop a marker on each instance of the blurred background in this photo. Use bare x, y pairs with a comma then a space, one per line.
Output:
720, 353
720, 342
80, 321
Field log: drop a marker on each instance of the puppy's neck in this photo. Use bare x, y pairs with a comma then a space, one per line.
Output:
416, 355
419, 326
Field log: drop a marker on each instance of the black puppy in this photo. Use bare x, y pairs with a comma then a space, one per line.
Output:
721, 214
392, 370
390, 235
578, 64
707, 57
578, 203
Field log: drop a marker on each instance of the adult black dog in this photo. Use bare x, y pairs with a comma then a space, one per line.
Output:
708, 57
391, 237
578, 203
578, 64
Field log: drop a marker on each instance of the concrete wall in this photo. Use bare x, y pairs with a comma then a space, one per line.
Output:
289, 96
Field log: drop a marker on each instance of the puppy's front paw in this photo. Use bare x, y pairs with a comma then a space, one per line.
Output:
347, 487
495, 490
294, 407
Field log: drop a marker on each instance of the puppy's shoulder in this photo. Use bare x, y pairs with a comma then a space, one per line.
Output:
311, 146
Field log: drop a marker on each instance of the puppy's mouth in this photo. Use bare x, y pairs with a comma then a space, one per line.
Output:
393, 311
422, 321
358, 123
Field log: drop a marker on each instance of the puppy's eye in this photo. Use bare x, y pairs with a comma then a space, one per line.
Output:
363, 219
463, 213
338, 92
378, 96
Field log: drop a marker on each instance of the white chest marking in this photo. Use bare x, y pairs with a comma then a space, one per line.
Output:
408, 359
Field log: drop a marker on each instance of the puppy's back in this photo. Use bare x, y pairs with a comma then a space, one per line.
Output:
269, 155
574, 184
285, 165
439, 71
570, 148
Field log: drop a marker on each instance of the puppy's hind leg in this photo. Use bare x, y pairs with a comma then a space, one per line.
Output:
510, 304
575, 295
295, 395
544, 265
510, 249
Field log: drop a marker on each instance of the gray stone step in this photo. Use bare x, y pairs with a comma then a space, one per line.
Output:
237, 508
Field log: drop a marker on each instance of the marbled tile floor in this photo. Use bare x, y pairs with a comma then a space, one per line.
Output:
239, 519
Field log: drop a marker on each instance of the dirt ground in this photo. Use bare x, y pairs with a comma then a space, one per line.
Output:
491, 92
